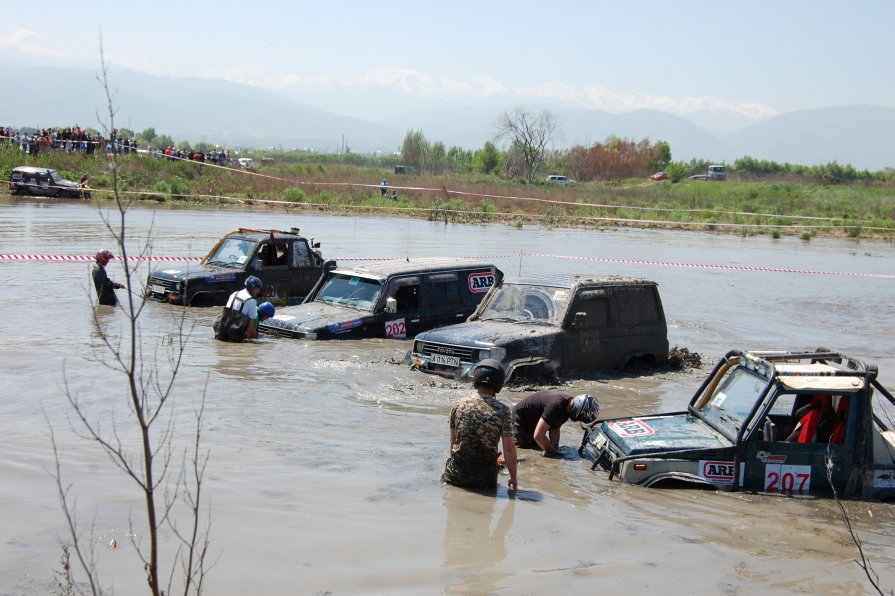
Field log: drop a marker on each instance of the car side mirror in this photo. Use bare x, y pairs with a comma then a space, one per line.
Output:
769, 432
391, 305
580, 318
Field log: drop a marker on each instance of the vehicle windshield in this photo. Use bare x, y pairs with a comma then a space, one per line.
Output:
734, 398
523, 303
233, 252
350, 290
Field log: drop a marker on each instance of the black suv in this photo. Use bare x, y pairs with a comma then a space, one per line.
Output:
287, 263
546, 328
393, 299
44, 182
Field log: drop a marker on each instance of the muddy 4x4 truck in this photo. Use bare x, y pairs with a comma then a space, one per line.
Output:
734, 433
544, 328
390, 299
287, 263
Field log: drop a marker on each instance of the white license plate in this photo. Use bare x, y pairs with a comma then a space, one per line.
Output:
446, 360
156, 289
600, 441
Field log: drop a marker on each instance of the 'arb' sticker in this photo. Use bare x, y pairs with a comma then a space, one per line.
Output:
717, 472
632, 427
480, 282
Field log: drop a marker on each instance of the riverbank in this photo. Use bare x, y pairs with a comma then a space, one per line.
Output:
774, 207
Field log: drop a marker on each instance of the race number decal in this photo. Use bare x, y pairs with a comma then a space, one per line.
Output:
480, 282
787, 480
632, 427
396, 329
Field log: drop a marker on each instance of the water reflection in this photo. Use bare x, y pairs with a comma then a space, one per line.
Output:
475, 539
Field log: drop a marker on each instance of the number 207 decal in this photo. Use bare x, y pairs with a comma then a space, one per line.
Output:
787, 480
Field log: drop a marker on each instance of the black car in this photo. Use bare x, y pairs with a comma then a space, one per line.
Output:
392, 299
44, 182
552, 327
287, 263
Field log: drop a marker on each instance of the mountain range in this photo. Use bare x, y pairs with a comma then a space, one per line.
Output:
240, 116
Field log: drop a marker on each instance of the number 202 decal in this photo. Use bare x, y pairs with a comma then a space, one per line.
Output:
396, 329
787, 480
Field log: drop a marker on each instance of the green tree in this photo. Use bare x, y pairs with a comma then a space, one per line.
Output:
661, 156
487, 158
437, 158
415, 149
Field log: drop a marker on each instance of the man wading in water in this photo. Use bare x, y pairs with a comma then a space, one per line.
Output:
105, 287
478, 423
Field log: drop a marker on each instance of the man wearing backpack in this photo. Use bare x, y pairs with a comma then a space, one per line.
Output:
239, 320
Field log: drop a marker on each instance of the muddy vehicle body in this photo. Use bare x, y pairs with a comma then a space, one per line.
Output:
44, 182
391, 299
543, 328
745, 429
289, 265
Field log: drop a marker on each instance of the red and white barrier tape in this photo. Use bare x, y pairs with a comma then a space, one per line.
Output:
66, 258
7, 257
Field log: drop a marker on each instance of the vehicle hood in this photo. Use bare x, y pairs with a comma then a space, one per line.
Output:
317, 316
496, 333
195, 271
650, 434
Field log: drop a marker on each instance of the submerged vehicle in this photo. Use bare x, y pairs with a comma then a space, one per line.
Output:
541, 328
287, 263
392, 299
772, 422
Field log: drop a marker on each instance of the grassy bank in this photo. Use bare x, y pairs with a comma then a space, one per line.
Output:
762, 206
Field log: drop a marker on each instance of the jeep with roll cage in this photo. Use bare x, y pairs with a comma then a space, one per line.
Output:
287, 263
744, 429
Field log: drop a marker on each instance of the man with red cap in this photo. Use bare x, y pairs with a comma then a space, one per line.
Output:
105, 287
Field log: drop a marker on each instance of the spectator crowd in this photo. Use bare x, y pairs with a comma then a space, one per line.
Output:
78, 140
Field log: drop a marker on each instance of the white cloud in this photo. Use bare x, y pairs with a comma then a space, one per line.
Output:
31, 43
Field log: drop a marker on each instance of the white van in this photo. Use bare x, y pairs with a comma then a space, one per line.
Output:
559, 180
717, 173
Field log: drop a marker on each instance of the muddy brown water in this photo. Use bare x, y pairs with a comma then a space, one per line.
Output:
324, 458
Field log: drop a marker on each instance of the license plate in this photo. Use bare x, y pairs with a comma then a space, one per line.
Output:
599, 441
155, 289
446, 360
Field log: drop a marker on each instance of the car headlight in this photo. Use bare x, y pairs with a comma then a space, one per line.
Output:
479, 355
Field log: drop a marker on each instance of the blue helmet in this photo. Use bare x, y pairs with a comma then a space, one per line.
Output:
266, 310
253, 282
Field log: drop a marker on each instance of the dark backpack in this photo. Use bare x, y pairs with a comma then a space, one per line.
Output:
232, 323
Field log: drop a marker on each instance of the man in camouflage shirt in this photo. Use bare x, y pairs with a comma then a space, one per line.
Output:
478, 423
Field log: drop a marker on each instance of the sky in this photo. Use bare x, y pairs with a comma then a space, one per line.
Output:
754, 59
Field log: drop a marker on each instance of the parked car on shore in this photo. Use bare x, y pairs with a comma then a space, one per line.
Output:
790, 423
391, 299
554, 179
44, 182
544, 328
287, 263
659, 176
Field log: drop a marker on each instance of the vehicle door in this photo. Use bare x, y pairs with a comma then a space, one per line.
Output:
443, 299
588, 340
287, 269
775, 465
639, 326
41, 184
407, 320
